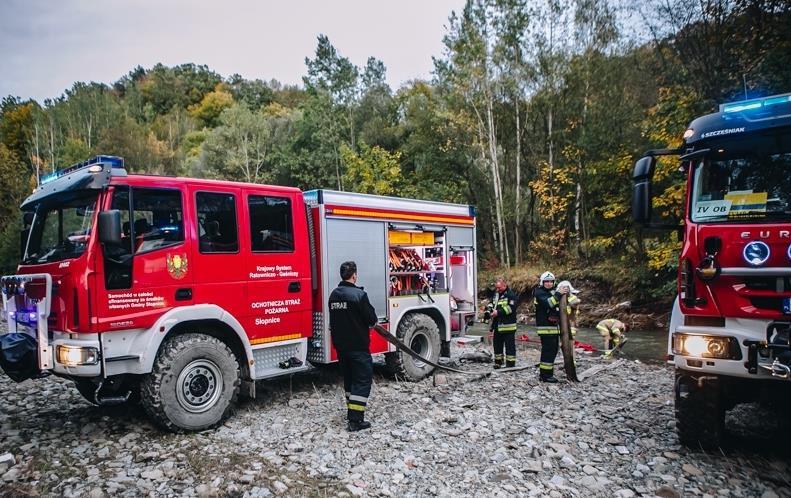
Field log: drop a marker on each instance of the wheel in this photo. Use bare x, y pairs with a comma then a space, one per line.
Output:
421, 334
115, 390
700, 413
193, 385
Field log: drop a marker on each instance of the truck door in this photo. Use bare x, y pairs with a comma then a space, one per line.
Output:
278, 268
151, 271
219, 273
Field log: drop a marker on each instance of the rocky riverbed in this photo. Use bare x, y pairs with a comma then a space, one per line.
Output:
506, 435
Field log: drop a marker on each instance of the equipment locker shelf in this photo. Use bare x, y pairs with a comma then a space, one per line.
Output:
416, 263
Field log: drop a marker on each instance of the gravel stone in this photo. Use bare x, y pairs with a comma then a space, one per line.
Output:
691, 469
502, 436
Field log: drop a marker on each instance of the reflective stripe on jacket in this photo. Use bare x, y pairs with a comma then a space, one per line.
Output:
505, 305
546, 302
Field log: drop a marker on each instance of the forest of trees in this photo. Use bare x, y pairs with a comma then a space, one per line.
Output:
535, 113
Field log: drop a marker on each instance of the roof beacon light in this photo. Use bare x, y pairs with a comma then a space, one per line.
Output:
93, 164
750, 105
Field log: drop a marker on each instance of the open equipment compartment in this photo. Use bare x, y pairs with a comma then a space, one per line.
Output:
416, 260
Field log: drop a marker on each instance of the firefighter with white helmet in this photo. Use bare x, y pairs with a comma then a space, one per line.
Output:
546, 300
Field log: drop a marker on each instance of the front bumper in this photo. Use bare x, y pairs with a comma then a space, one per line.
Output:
756, 361
76, 357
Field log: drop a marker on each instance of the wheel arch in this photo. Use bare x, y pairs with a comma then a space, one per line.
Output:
218, 329
430, 311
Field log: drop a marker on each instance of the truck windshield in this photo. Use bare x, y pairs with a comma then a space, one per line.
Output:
61, 229
753, 188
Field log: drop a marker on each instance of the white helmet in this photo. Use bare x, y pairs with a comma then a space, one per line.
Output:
566, 283
547, 275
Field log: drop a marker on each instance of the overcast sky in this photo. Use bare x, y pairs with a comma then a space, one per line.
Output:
47, 45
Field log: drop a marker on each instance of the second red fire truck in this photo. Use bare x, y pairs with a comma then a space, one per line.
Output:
730, 328
184, 292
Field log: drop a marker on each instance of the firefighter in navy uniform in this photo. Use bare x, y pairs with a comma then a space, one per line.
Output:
547, 315
351, 317
503, 325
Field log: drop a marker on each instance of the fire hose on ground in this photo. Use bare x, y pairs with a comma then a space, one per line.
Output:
406, 349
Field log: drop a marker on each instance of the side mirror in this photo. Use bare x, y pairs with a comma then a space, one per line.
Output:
27, 218
109, 227
642, 200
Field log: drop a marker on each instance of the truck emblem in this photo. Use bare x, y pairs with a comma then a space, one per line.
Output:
177, 265
756, 253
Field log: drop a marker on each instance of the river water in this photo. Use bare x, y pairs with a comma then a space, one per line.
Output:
648, 346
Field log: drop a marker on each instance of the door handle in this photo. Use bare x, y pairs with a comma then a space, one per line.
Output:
294, 286
184, 294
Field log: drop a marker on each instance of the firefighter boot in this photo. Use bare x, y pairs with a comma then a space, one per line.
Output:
498, 361
358, 425
548, 378
510, 361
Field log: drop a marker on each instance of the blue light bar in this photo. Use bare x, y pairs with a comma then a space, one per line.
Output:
112, 161
749, 105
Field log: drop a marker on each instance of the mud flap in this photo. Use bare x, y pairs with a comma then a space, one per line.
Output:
19, 356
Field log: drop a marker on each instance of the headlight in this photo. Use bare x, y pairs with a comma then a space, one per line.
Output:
74, 356
706, 346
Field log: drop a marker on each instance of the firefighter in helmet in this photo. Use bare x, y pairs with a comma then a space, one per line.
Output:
351, 317
546, 300
503, 324
612, 332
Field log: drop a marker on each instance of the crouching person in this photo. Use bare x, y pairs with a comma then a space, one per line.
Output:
612, 332
351, 317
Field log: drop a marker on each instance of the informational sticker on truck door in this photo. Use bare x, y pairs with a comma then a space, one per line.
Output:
712, 209
747, 204
271, 312
274, 271
135, 301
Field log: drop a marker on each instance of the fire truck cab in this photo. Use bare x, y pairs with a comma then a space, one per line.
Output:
731, 323
183, 292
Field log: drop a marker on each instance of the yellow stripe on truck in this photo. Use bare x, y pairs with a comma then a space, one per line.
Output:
276, 338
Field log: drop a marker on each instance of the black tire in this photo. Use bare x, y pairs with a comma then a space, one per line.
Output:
421, 334
193, 385
700, 413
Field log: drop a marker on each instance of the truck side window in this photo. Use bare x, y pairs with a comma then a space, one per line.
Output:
159, 220
271, 227
121, 203
118, 258
217, 228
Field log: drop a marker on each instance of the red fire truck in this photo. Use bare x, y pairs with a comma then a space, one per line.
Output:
731, 323
183, 292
